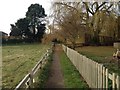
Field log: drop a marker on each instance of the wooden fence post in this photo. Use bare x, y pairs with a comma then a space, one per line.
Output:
107, 79
31, 79
100, 75
91, 73
113, 81
94, 77
96, 66
27, 85
103, 77
118, 82
47, 53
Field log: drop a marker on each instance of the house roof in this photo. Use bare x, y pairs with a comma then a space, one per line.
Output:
3, 33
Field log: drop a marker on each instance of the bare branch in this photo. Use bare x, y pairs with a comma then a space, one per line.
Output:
87, 8
100, 6
59, 3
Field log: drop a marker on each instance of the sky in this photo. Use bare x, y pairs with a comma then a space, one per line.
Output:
12, 10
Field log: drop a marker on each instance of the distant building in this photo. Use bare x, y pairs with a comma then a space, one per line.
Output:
3, 35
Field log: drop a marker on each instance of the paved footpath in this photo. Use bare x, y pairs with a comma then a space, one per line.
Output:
55, 79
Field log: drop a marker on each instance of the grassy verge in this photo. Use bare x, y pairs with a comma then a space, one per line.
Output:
72, 78
44, 74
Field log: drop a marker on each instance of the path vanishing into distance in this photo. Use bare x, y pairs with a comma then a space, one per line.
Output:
55, 79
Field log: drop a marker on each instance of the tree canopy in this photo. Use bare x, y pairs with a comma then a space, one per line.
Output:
98, 21
32, 26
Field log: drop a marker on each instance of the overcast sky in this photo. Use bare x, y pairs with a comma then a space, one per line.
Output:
12, 10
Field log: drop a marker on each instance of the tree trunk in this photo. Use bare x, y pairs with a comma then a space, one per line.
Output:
73, 45
119, 28
96, 40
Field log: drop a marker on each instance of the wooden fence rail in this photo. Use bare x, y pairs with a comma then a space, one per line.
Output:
28, 80
95, 74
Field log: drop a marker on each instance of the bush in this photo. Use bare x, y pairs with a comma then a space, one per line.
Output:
12, 41
17, 41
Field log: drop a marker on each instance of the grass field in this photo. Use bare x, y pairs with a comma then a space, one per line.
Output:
101, 54
72, 78
18, 60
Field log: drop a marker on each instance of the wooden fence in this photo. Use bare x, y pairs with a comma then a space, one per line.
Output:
28, 80
95, 74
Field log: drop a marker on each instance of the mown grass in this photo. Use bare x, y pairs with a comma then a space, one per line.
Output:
101, 54
72, 78
18, 60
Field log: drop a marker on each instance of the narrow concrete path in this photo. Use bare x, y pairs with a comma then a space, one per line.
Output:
55, 79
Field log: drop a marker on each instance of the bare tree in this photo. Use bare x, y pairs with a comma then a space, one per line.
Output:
75, 18
69, 17
94, 21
